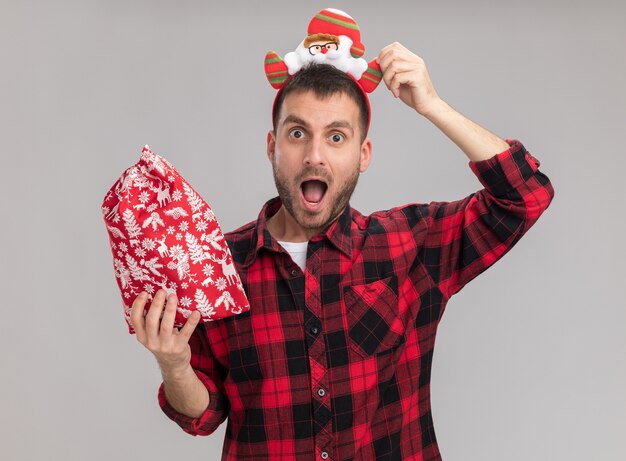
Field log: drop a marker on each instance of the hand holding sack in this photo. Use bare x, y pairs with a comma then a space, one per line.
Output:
164, 235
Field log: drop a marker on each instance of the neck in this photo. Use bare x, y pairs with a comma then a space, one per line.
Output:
283, 227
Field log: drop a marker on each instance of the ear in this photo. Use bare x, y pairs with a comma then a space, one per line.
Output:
366, 155
271, 144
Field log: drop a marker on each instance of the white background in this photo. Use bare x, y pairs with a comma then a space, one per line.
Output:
529, 361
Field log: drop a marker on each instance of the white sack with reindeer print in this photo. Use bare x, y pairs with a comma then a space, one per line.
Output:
164, 235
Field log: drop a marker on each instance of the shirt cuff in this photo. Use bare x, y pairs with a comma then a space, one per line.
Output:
507, 170
206, 423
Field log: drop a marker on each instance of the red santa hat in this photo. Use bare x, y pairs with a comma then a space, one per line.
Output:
337, 22
164, 235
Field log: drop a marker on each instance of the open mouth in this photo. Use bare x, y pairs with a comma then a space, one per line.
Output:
313, 191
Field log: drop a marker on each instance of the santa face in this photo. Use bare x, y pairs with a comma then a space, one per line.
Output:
316, 157
322, 47
336, 53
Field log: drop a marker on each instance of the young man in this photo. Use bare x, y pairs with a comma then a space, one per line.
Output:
333, 359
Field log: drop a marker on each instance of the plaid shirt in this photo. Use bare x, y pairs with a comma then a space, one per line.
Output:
334, 363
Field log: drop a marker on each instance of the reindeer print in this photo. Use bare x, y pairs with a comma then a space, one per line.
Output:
162, 249
163, 191
163, 196
228, 269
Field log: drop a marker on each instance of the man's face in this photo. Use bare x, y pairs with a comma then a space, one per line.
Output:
317, 155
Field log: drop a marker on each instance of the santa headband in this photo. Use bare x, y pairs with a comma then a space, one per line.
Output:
333, 37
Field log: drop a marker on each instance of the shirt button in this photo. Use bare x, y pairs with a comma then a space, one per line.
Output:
294, 272
324, 455
321, 392
314, 330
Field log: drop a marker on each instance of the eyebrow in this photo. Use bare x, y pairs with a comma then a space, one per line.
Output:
335, 124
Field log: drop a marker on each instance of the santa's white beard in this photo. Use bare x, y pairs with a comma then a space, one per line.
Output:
332, 57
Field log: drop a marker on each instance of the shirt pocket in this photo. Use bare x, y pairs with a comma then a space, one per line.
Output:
373, 323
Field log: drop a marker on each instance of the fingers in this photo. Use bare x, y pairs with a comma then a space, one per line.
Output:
399, 79
156, 331
406, 76
137, 317
167, 322
189, 326
399, 66
396, 71
393, 46
153, 318
395, 52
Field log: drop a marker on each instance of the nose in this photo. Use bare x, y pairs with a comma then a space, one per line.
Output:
314, 155
324, 50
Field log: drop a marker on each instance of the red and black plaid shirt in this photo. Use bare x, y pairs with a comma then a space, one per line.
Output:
334, 363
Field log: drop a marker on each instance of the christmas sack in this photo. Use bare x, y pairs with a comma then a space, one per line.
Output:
164, 235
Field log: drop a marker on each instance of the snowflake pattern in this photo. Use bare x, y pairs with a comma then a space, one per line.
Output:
201, 225
208, 270
177, 252
154, 249
221, 284
148, 244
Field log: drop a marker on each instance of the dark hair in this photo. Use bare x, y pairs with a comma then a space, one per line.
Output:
324, 80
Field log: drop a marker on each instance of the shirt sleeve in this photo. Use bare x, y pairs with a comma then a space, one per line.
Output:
467, 236
210, 373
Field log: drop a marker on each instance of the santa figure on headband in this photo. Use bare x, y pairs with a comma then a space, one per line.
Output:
333, 37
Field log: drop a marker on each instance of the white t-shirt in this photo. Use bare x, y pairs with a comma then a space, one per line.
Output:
297, 251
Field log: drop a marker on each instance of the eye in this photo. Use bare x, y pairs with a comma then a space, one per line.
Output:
337, 137
296, 133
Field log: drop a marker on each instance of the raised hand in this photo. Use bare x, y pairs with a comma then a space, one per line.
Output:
406, 76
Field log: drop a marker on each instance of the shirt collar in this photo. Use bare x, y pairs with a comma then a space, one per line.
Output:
338, 232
